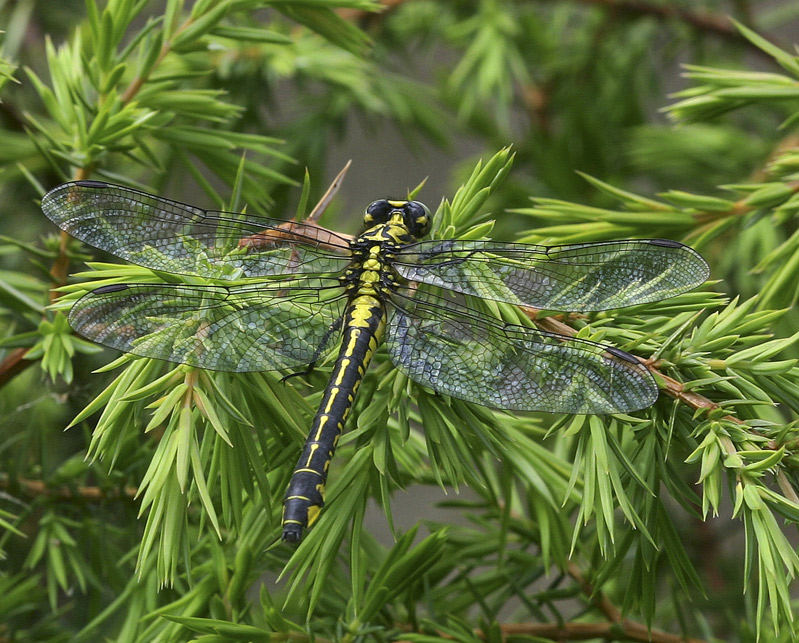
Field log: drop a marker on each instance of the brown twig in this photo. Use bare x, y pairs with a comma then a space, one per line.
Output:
13, 118
327, 197
617, 628
787, 144
600, 601
537, 100
626, 631
13, 364
61, 264
356, 15
672, 387
60, 267
712, 23
138, 82
40, 488
632, 630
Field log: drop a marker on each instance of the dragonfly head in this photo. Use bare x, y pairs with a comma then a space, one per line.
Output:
414, 215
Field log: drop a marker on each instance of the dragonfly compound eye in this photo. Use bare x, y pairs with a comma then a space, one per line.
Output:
417, 218
377, 212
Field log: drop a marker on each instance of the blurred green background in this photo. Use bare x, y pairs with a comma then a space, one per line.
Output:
627, 118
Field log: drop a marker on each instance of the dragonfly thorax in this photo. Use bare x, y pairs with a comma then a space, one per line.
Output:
370, 271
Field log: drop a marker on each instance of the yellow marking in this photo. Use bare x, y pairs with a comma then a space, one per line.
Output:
314, 447
344, 365
292, 522
333, 393
306, 471
313, 514
354, 334
322, 421
397, 204
298, 498
362, 311
321, 489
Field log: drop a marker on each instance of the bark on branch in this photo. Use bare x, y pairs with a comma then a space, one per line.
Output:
40, 488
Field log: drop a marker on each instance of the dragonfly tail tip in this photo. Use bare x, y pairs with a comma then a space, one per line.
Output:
292, 533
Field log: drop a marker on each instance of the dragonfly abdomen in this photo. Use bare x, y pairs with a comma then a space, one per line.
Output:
364, 322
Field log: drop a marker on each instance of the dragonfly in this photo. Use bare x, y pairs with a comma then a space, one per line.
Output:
282, 295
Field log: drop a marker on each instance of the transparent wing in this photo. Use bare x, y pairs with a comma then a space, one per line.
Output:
167, 235
456, 351
241, 328
588, 276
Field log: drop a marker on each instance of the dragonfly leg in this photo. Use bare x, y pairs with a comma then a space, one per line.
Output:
306, 371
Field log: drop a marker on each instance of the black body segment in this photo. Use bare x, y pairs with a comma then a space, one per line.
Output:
368, 280
363, 327
317, 288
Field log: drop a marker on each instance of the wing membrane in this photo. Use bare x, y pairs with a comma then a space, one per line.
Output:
237, 328
588, 276
174, 237
455, 351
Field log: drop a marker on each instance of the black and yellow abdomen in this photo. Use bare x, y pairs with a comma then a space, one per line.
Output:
364, 321
366, 280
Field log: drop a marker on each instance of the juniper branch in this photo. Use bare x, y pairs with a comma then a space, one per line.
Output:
138, 82
579, 631
41, 488
60, 266
704, 21
13, 364
361, 14
586, 631
631, 629
602, 602
673, 387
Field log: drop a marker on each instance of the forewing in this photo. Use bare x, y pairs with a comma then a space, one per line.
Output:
174, 237
588, 276
454, 350
241, 328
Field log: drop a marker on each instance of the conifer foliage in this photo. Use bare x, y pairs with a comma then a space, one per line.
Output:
156, 515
